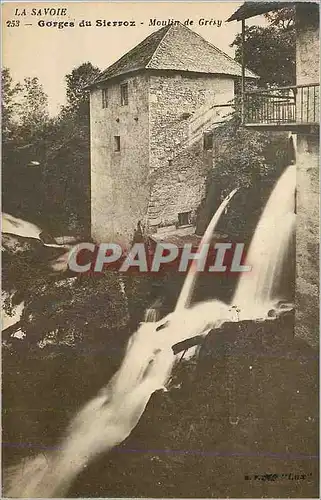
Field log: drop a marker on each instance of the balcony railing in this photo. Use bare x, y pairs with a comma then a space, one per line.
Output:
295, 105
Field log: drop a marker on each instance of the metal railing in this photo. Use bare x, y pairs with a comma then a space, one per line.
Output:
298, 104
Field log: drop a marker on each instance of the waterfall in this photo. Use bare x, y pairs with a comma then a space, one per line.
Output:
25, 229
151, 315
16, 313
189, 283
109, 418
257, 291
20, 227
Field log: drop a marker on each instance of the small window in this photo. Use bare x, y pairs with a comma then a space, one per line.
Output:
184, 218
208, 140
237, 87
117, 142
124, 94
104, 97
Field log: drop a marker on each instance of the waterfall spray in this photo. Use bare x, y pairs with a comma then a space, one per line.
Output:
257, 292
111, 416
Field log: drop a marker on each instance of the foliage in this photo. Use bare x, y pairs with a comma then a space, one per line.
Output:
33, 109
75, 309
10, 92
269, 51
76, 91
24, 110
67, 175
72, 310
250, 161
25, 125
54, 191
67, 160
67, 308
282, 18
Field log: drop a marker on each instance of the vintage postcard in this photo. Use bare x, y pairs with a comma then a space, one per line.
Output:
160, 262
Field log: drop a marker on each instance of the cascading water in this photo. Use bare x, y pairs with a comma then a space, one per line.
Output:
257, 291
13, 318
108, 419
151, 315
20, 227
189, 283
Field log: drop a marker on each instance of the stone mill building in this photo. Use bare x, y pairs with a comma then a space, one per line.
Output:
152, 116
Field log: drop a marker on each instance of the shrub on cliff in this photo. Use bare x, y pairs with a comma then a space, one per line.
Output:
250, 161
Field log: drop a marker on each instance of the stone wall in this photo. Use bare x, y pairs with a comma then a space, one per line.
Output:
179, 187
307, 239
180, 111
119, 180
307, 235
307, 44
307, 62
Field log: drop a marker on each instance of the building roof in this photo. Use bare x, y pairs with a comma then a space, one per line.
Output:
251, 9
174, 47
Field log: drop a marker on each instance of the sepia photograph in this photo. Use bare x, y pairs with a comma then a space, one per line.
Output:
160, 249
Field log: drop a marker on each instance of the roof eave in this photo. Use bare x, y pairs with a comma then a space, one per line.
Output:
97, 84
